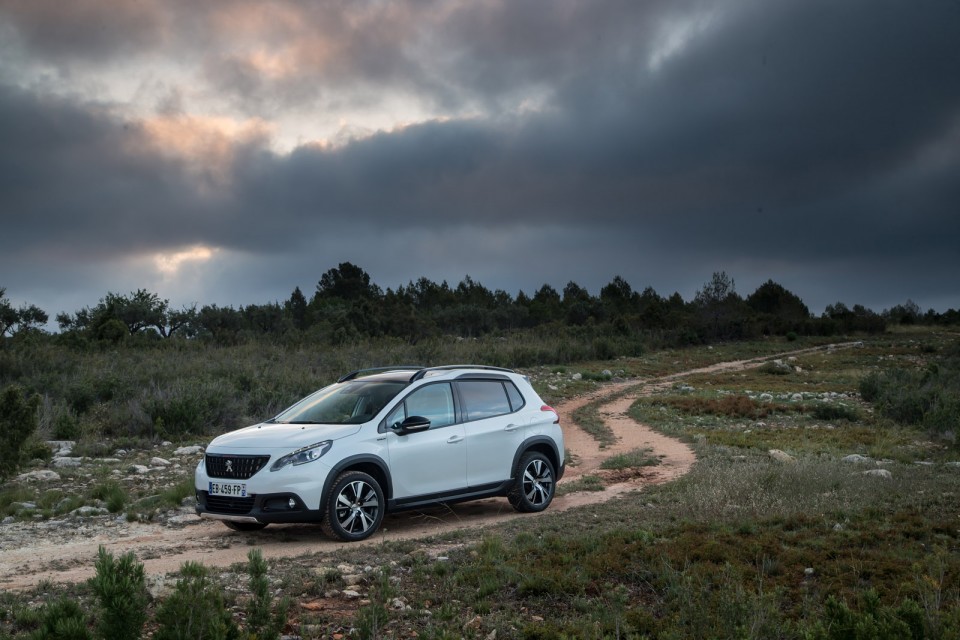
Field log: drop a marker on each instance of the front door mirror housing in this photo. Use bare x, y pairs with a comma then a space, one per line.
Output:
413, 424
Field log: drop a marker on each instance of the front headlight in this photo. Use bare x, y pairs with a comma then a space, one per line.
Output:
303, 455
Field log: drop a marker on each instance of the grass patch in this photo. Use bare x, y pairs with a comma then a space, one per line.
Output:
588, 418
583, 483
631, 460
112, 494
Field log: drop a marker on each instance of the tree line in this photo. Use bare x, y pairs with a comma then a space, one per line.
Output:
346, 306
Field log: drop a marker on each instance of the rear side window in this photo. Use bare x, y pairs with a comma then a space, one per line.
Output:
484, 398
516, 400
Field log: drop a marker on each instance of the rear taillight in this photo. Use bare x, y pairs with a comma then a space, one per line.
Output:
547, 407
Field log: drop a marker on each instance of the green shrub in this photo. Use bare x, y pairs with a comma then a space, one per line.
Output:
66, 427
62, 620
928, 398
195, 609
18, 421
372, 618
262, 623
120, 587
112, 494
825, 411
873, 621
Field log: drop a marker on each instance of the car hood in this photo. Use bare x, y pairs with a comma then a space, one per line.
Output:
268, 435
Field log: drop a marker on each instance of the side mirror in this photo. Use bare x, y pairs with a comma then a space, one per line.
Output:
413, 424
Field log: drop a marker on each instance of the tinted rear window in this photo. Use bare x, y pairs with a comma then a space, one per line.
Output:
483, 398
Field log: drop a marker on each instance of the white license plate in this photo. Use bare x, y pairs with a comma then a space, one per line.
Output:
233, 489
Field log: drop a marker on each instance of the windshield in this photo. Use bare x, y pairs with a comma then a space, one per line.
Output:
343, 403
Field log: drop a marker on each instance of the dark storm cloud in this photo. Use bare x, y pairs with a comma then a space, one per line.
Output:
76, 182
92, 30
815, 140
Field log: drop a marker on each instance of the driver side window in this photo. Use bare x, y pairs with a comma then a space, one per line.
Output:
434, 402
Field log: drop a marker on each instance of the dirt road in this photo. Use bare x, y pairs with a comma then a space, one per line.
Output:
164, 549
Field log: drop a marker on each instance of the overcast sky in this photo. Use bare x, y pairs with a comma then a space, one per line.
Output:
227, 152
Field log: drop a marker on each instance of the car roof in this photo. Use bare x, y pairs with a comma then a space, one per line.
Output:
408, 373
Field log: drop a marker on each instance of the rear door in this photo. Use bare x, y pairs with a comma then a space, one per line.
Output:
493, 427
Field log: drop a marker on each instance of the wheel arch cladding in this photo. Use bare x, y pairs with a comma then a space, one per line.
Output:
542, 445
370, 465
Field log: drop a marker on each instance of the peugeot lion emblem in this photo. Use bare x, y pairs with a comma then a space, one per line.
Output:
230, 467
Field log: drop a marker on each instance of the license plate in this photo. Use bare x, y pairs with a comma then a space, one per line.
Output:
233, 489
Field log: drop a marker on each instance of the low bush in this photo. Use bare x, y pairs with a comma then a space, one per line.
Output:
263, 622
62, 620
112, 494
928, 398
18, 421
120, 587
195, 610
834, 411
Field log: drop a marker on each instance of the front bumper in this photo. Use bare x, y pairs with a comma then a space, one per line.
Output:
269, 508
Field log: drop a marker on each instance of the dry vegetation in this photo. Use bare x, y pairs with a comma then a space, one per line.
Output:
744, 546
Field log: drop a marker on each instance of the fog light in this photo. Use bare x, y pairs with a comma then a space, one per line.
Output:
292, 503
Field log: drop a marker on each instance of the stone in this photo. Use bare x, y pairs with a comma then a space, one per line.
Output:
63, 463
797, 397
42, 475
350, 594
879, 473
765, 397
139, 468
808, 571
8, 520
188, 451
781, 456
607, 373
159, 462
856, 458
352, 579
158, 587
61, 448
577, 376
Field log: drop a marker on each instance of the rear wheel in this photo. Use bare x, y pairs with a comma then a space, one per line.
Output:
243, 526
355, 507
534, 483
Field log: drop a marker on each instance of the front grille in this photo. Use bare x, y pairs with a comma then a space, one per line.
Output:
231, 505
235, 467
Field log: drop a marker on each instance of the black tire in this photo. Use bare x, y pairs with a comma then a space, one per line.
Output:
355, 507
243, 526
534, 483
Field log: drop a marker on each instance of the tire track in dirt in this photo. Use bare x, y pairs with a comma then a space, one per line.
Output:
163, 550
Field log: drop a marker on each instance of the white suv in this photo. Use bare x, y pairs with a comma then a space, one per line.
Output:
382, 440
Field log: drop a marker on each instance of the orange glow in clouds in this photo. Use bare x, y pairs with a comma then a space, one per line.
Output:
169, 263
207, 144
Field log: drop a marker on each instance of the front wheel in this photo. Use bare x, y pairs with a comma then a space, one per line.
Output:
534, 483
355, 507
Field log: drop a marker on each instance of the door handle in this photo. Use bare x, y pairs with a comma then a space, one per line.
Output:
454, 439
511, 427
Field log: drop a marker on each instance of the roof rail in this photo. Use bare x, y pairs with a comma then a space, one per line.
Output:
425, 370
359, 372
